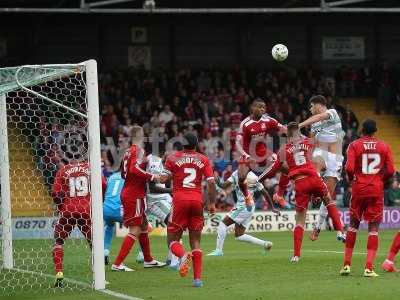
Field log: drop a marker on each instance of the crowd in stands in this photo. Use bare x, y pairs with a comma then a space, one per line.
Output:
211, 104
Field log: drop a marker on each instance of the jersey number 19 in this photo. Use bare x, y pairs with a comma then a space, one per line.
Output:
78, 186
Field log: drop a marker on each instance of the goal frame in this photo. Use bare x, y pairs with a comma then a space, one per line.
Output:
98, 268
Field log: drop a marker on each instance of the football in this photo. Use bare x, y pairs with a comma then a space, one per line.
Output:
279, 52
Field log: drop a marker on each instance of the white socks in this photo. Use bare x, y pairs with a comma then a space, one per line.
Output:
222, 230
174, 259
322, 214
250, 239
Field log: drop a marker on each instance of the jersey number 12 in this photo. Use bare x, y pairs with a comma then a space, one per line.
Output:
369, 163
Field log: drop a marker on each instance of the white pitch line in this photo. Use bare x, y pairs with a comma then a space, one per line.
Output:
81, 283
319, 251
335, 252
119, 295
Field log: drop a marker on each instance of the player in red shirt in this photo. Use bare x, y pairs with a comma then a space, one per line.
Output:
295, 158
388, 264
252, 141
187, 169
369, 165
134, 203
71, 194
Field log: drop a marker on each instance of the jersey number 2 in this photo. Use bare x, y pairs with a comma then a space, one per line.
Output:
78, 186
370, 161
188, 180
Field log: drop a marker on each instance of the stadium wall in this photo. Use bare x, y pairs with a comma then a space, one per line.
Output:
196, 40
43, 227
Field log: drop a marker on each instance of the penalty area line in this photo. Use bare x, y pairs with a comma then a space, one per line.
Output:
320, 251
81, 283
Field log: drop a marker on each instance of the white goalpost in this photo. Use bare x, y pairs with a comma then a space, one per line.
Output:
49, 114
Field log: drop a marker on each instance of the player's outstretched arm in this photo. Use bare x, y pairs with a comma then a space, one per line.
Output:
223, 184
136, 170
350, 163
282, 129
212, 195
267, 197
239, 146
314, 119
389, 166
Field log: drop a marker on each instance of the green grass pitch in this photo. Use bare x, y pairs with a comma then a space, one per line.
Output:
245, 272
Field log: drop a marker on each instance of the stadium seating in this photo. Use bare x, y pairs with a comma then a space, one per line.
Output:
388, 125
30, 195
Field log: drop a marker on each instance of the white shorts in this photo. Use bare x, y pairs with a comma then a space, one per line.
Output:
240, 215
333, 163
159, 207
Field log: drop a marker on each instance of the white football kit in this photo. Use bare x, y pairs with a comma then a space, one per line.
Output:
158, 205
241, 214
329, 131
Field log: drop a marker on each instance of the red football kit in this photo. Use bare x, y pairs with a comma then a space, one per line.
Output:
134, 190
298, 158
188, 168
254, 137
71, 189
369, 164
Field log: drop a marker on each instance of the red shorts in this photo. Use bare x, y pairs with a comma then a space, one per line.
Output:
307, 187
67, 222
133, 211
186, 214
368, 208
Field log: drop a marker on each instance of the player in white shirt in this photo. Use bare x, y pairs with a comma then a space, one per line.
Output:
158, 196
158, 200
241, 214
326, 129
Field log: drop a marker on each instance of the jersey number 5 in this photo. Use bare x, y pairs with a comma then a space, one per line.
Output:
188, 180
78, 186
369, 163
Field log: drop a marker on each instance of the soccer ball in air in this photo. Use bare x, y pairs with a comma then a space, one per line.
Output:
279, 52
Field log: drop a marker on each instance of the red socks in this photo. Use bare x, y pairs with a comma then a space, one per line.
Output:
297, 239
126, 247
394, 249
333, 213
350, 242
177, 249
145, 245
372, 247
197, 257
197, 263
58, 257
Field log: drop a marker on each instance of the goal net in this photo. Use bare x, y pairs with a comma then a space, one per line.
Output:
48, 119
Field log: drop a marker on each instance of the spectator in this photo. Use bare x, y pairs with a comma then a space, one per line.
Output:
220, 162
392, 194
209, 103
383, 99
236, 116
166, 115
